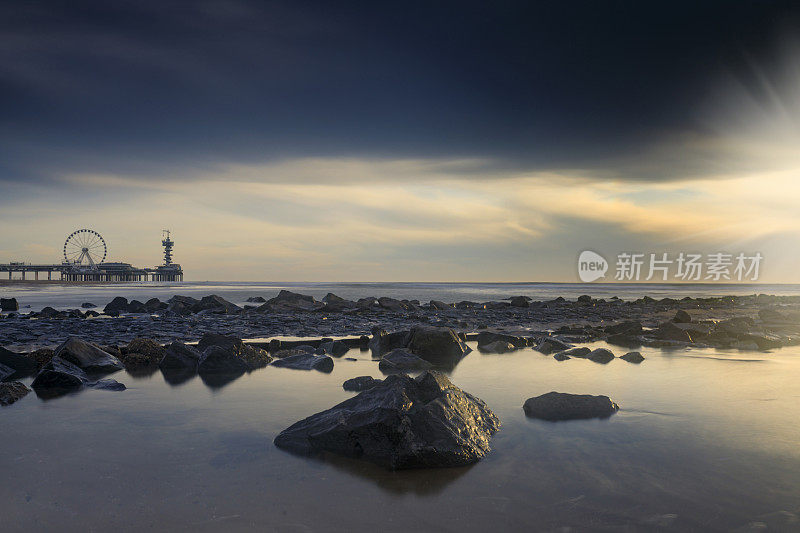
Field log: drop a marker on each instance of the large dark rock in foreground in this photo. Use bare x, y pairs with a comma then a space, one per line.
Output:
11, 392
555, 406
404, 422
88, 356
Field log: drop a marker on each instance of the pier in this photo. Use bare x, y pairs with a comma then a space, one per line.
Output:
84, 261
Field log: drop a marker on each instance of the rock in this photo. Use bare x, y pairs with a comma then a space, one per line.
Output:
274, 345
181, 305
682, 317
561, 356
117, 305
306, 361
626, 341
256, 299
360, 383
253, 357
179, 355
5, 372
392, 304
629, 327
106, 384
335, 348
215, 303
401, 423
584, 299
367, 303
219, 359
137, 364
288, 301
11, 392
439, 305
633, 357
555, 406
48, 312
763, 342
669, 331
336, 303
520, 301
550, 345
383, 342
497, 347
282, 354
600, 355
9, 304
60, 376
87, 356
581, 352
135, 306
488, 337
88, 305
439, 346
20, 364
154, 304
400, 359
150, 349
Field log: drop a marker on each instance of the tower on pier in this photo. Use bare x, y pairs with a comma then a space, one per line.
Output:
167, 243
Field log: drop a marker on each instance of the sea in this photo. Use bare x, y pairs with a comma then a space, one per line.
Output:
69, 296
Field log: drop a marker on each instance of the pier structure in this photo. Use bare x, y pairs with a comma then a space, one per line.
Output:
84, 261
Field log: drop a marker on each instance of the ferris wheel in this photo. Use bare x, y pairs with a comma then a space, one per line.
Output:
85, 247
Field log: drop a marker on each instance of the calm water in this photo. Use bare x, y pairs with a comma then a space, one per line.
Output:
71, 296
706, 440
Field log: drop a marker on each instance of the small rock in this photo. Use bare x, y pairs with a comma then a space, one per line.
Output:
633, 357
600, 355
88, 305
550, 345
682, 317
335, 348
306, 361
400, 359
497, 347
11, 392
9, 304
360, 383
556, 406
117, 305
179, 355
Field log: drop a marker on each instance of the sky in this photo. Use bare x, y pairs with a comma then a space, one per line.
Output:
403, 141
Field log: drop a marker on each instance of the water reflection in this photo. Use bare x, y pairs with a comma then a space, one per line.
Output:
700, 443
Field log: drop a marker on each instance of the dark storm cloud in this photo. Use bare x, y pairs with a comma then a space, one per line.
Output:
150, 88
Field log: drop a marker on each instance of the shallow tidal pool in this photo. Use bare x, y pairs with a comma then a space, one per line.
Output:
705, 440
